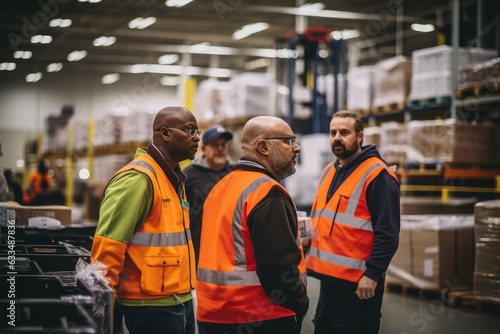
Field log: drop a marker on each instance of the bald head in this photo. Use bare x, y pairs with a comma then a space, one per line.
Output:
262, 127
266, 140
170, 116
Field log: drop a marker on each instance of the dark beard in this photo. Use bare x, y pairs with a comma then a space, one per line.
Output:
345, 153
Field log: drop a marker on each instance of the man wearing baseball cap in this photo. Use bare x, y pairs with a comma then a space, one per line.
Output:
204, 172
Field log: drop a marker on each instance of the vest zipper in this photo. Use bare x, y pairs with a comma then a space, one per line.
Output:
335, 215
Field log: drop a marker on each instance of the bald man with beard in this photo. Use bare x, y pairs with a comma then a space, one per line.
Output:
251, 273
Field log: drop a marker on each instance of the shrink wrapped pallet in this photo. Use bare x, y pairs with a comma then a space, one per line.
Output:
136, 127
360, 88
487, 237
372, 136
451, 140
481, 74
108, 130
250, 95
432, 68
212, 100
393, 144
392, 81
325, 86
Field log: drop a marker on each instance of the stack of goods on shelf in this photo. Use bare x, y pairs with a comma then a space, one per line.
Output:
315, 155
250, 95
393, 144
212, 101
360, 89
136, 127
435, 252
371, 136
487, 270
108, 130
391, 85
480, 79
432, 72
79, 126
451, 141
326, 87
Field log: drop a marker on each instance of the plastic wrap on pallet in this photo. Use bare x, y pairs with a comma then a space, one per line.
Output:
481, 74
93, 275
250, 95
360, 87
450, 140
212, 100
325, 86
136, 126
80, 132
393, 144
432, 68
487, 237
371, 136
108, 129
435, 252
391, 81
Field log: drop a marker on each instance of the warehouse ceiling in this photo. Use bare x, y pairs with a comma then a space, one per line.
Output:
383, 25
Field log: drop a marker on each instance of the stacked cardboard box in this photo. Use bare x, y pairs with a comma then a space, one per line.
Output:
21, 214
487, 270
360, 92
451, 140
392, 81
435, 252
393, 144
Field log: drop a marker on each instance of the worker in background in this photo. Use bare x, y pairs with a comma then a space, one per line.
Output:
143, 232
251, 271
356, 222
205, 171
14, 189
3, 183
39, 185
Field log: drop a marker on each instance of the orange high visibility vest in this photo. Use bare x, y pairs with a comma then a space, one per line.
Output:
343, 232
159, 259
228, 289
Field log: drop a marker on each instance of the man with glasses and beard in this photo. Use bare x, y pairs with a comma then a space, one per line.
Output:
356, 222
251, 272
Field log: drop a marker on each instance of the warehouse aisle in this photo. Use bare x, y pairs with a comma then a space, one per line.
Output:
408, 316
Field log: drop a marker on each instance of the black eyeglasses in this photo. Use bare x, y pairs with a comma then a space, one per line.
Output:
190, 132
290, 140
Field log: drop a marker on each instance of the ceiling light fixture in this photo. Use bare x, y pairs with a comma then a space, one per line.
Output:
42, 39
344, 34
104, 41
422, 27
77, 55
141, 23
34, 77
90, 1
7, 66
177, 3
54, 67
168, 59
250, 29
61, 23
200, 47
310, 8
108, 79
23, 54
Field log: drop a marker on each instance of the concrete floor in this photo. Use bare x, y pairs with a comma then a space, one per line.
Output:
405, 315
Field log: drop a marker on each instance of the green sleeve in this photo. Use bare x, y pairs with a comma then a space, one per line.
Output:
127, 202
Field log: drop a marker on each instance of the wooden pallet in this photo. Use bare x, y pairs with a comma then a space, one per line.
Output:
478, 90
406, 290
361, 112
467, 300
391, 108
429, 102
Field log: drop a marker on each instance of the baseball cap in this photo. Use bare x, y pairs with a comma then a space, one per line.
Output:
214, 132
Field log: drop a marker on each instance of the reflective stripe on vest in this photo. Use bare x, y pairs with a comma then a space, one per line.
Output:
240, 276
347, 219
160, 239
